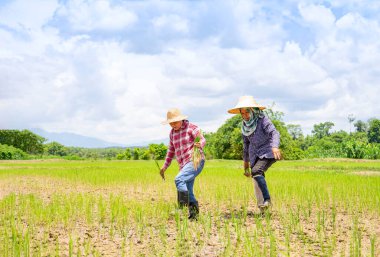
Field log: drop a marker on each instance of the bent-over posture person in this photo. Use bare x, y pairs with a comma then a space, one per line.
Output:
261, 143
182, 142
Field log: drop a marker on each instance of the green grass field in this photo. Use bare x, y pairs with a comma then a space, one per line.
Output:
123, 208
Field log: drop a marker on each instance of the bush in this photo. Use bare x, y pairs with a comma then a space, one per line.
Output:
120, 156
144, 154
73, 158
372, 151
289, 148
355, 149
324, 148
12, 153
158, 151
294, 153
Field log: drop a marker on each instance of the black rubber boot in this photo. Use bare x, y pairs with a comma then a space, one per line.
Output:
193, 211
183, 199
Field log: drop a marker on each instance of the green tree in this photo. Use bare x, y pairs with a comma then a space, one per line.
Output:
374, 131
322, 129
295, 131
339, 136
128, 154
24, 140
144, 154
272, 114
309, 141
158, 151
136, 152
289, 147
55, 148
220, 146
360, 136
351, 119
227, 143
120, 156
209, 136
361, 126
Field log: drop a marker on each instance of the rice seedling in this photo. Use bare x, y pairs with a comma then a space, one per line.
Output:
196, 155
94, 208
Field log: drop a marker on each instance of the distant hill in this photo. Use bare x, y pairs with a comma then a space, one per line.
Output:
71, 139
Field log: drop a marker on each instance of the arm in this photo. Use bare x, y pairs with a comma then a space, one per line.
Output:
168, 159
202, 142
270, 129
169, 156
246, 156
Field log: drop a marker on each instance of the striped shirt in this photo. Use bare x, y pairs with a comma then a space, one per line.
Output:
182, 143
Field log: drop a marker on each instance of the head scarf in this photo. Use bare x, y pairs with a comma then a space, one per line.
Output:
248, 127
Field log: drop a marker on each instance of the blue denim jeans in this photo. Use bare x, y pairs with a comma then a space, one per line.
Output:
258, 170
184, 181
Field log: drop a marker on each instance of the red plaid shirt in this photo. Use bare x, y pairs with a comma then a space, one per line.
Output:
182, 143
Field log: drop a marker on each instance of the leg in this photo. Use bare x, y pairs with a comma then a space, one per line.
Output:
263, 187
258, 170
182, 199
193, 211
258, 193
193, 203
185, 180
190, 187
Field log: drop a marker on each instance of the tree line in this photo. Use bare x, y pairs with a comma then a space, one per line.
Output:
363, 143
225, 143
24, 144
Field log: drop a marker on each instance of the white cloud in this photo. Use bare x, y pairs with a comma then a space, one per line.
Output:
171, 22
28, 16
97, 15
22, 31
254, 27
317, 15
62, 79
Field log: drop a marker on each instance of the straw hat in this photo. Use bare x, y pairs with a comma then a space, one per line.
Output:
245, 102
174, 115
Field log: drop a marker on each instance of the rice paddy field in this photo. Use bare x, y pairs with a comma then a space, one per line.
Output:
123, 208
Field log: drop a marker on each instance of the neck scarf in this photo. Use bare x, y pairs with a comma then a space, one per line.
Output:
248, 127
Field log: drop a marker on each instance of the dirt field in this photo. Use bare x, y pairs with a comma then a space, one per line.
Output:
51, 214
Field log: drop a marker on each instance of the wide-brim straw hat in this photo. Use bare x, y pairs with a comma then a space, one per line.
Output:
174, 115
246, 101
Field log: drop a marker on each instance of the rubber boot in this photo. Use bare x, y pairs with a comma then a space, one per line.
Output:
193, 211
183, 199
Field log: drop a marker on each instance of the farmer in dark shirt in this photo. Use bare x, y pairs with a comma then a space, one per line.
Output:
260, 145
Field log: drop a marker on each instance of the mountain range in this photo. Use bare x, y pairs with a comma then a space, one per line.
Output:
76, 140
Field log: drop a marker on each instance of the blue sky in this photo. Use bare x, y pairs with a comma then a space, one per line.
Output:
111, 69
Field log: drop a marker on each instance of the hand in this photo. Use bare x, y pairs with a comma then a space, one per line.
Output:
162, 173
276, 153
247, 173
198, 144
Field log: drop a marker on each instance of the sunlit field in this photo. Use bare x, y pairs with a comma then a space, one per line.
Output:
123, 208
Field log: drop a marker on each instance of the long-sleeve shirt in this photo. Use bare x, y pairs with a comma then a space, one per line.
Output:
260, 143
182, 143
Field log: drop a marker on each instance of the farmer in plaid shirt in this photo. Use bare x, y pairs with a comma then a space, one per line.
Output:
181, 145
